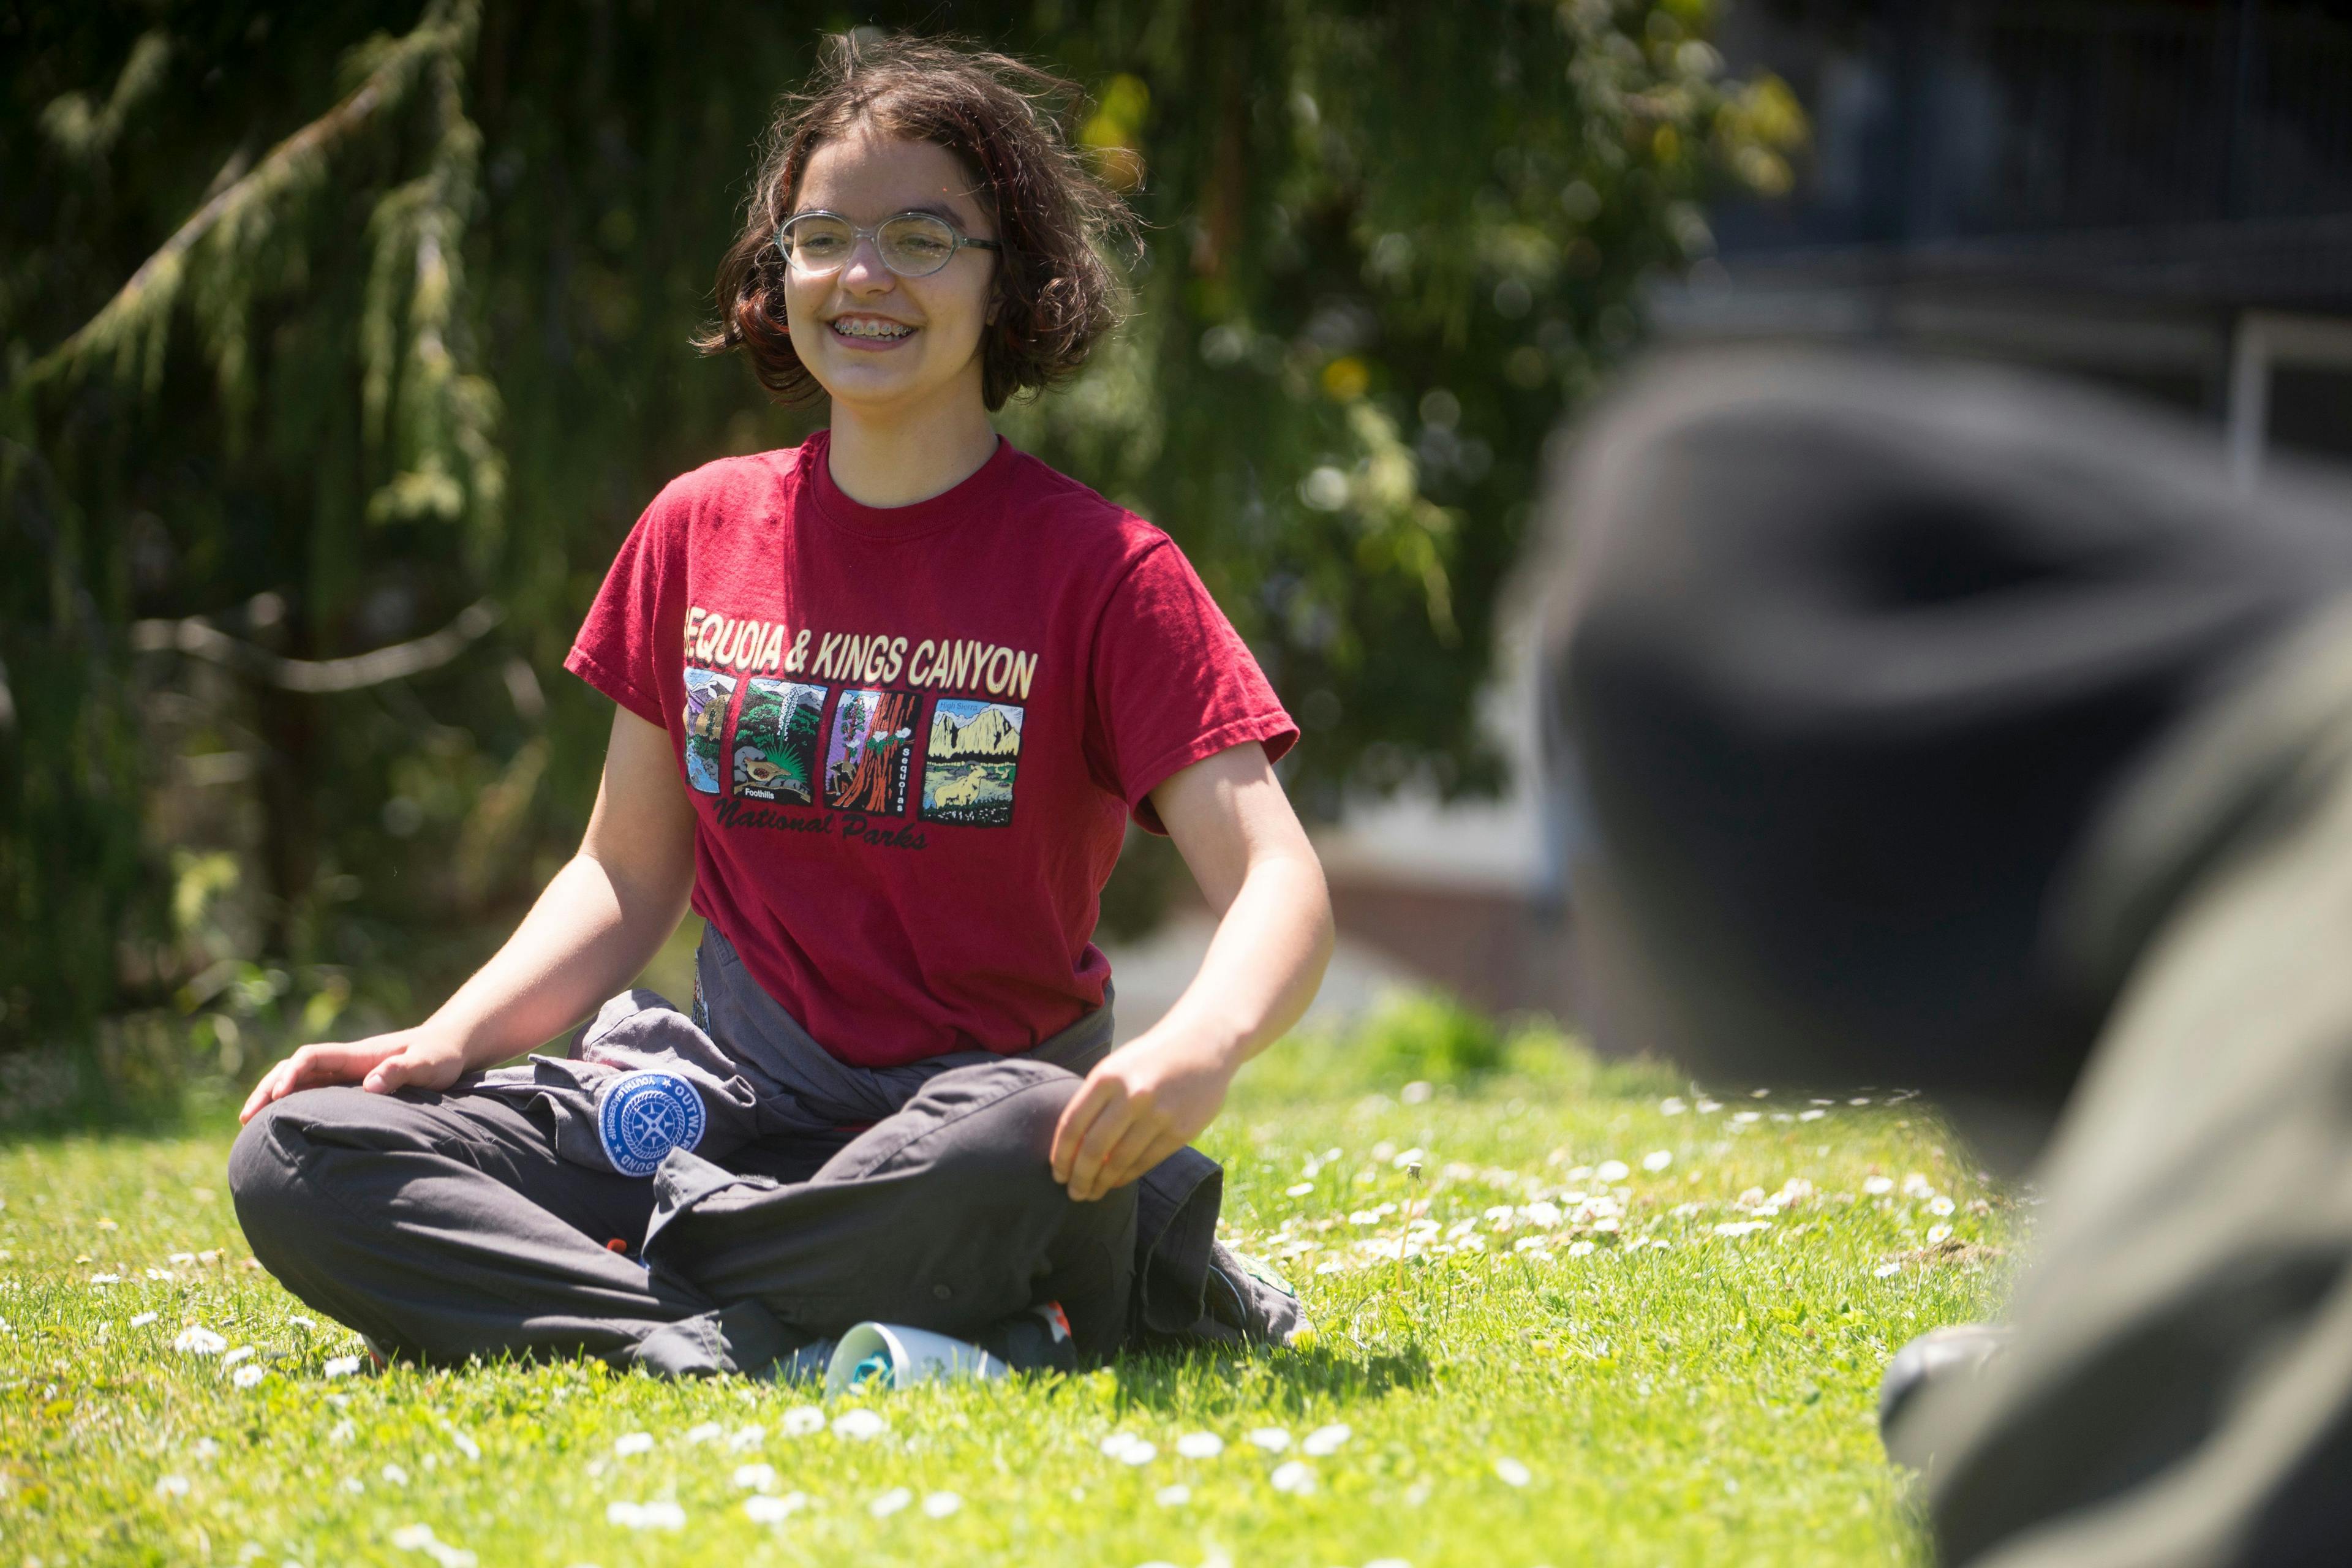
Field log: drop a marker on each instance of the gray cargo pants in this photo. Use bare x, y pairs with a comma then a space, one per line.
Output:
445, 1225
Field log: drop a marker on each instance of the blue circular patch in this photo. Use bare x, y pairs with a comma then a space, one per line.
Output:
644, 1115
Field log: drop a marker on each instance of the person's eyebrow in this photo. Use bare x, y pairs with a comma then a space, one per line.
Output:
928, 209
938, 210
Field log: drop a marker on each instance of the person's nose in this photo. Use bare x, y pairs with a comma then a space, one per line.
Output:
864, 272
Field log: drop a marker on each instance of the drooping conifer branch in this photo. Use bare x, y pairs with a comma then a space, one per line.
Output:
140, 311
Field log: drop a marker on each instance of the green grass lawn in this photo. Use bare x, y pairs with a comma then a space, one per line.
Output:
1677, 1367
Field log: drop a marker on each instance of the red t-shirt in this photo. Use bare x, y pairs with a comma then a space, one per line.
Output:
912, 735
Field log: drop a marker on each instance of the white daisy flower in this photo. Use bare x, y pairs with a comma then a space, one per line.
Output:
353, 1485
1297, 1189
106, 1278
193, 1340
1579, 1249
1200, 1445
1672, 1106
1172, 1497
774, 1510
859, 1425
747, 1438
1658, 1160
341, 1365
300, 1321
395, 1475
242, 1353
465, 1445
172, 1486
1612, 1171
758, 1478
1514, 1473
644, 1515
1939, 1207
1294, 1477
1325, 1440
630, 1443
1273, 1439
802, 1420
1743, 1227
890, 1502
1886, 1270
1939, 1234
1878, 1186
246, 1376
705, 1432
141, 1319
938, 1505
1916, 1185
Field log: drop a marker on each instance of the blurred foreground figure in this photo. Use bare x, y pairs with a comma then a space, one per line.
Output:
1934, 725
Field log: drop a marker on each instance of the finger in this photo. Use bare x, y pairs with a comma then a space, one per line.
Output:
1076, 1118
1127, 1167
260, 1097
388, 1074
1093, 1157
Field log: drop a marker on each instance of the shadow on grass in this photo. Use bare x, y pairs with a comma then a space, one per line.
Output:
1156, 1379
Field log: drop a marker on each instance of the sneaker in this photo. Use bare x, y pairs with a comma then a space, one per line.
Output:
1940, 1355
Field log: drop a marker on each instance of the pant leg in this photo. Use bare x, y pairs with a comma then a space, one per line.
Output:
445, 1226
945, 1216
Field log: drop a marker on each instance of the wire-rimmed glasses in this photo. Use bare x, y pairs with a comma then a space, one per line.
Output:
912, 244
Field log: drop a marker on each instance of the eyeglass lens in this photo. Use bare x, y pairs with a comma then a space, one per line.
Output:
913, 246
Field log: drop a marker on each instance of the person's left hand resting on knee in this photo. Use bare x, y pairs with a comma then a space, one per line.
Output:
1245, 848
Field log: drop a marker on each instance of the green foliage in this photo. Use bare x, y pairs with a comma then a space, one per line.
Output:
325, 322
1431, 1037
1702, 1402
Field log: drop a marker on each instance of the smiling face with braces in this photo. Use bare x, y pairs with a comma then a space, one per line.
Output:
875, 339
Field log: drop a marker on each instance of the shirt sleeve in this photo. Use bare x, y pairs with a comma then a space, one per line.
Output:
1173, 683
634, 618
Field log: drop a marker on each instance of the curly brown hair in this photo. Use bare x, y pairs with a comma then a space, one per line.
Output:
1003, 119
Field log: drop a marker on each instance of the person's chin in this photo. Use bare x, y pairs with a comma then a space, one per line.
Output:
881, 380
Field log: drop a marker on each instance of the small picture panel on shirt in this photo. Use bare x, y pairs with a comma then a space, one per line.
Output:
970, 762
775, 741
872, 751
708, 693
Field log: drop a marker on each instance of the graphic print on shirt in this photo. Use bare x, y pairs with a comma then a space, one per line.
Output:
968, 762
872, 751
775, 741
708, 693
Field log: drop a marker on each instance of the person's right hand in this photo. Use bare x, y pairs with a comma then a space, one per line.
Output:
380, 1064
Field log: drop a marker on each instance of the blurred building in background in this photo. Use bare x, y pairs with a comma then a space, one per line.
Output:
2157, 197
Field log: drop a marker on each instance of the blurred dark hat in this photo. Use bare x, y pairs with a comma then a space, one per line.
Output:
1846, 655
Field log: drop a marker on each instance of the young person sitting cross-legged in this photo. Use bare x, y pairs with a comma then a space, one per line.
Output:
886, 702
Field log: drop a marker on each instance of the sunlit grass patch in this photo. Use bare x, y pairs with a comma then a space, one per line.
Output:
1566, 1312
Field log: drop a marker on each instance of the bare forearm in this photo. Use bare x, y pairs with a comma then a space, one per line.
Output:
1264, 964
588, 934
